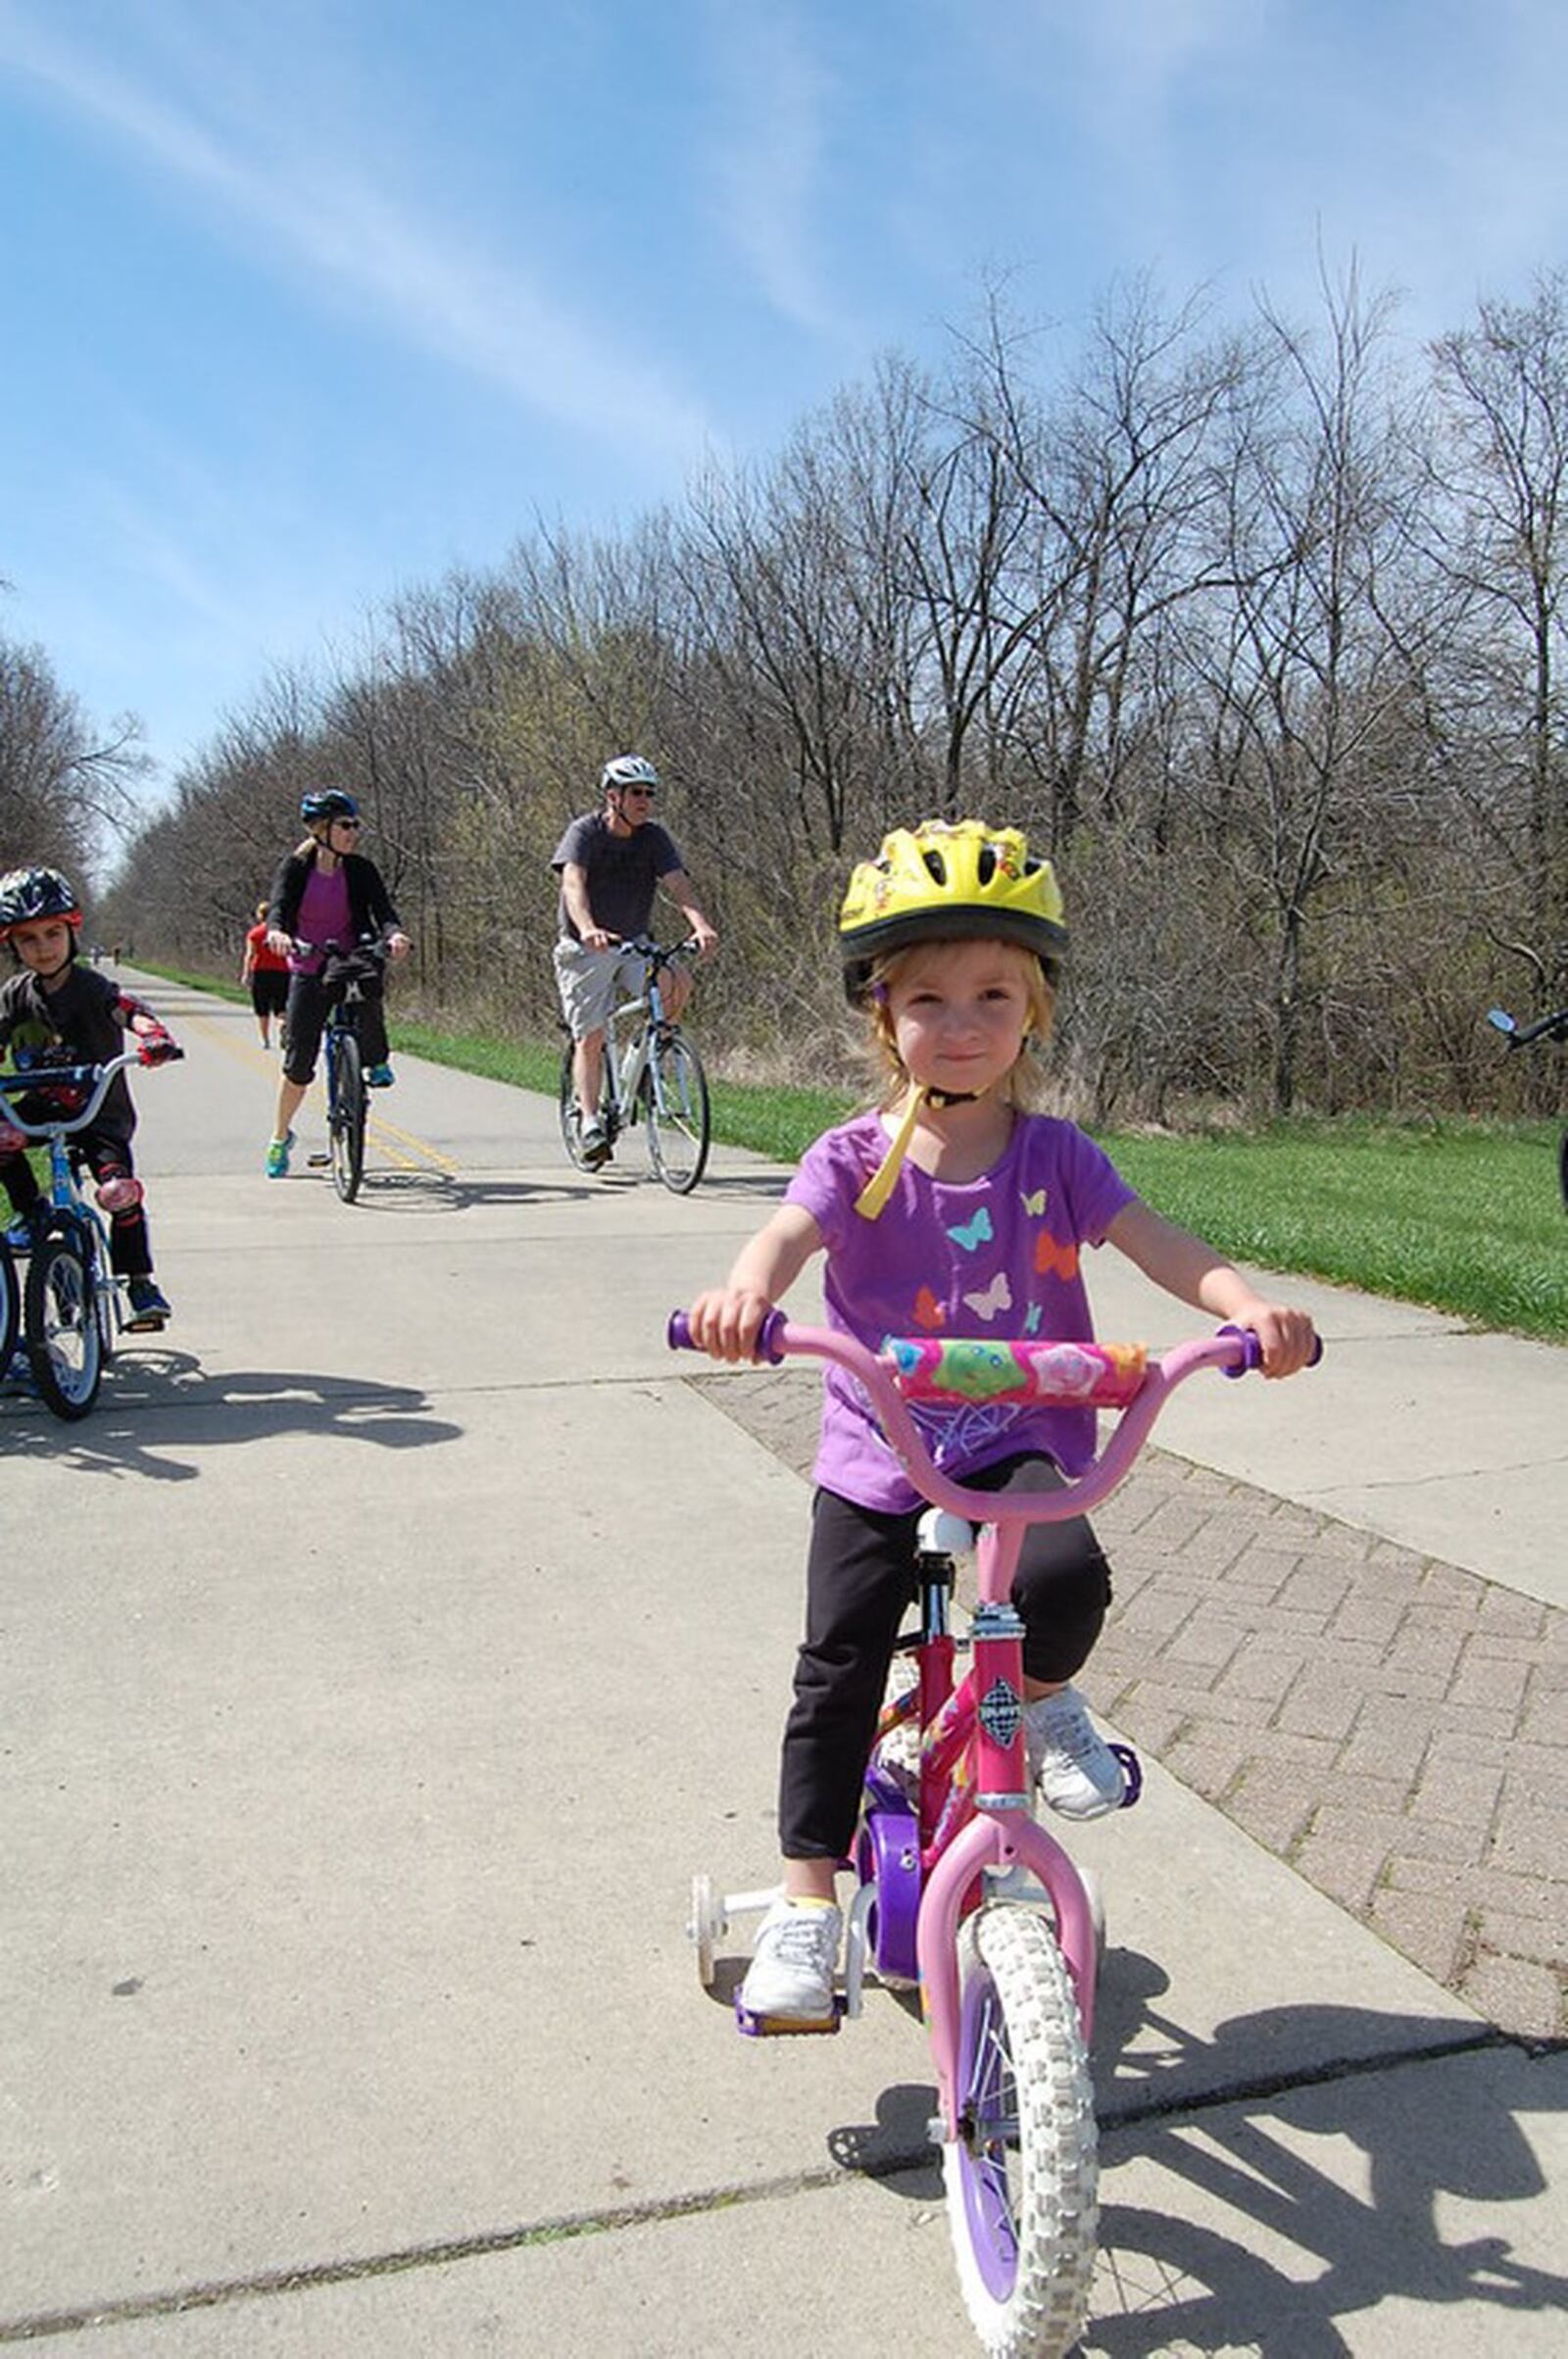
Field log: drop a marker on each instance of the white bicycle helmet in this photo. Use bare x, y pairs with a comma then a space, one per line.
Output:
627, 769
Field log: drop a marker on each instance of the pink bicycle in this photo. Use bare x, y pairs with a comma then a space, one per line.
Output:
958, 1888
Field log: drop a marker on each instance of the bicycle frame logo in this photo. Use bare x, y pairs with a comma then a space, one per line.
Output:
1000, 1712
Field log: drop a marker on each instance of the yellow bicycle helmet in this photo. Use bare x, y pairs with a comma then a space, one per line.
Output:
944, 883
950, 883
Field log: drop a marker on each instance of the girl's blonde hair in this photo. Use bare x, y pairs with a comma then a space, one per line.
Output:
1021, 1086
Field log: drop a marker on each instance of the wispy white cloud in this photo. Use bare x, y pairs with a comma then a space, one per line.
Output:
775, 99
312, 208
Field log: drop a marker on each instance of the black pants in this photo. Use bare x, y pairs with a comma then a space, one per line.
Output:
859, 1582
311, 998
107, 1155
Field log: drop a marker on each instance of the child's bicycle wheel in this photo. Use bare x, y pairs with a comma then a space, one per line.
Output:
10, 1309
1022, 2174
60, 1322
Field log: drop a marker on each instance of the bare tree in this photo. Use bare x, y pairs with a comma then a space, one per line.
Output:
1502, 384
63, 786
1312, 650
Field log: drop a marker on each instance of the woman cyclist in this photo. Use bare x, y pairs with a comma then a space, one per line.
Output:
325, 891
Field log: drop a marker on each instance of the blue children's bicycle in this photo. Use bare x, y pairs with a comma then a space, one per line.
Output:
69, 1305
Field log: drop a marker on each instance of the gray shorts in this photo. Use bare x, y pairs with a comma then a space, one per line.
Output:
591, 982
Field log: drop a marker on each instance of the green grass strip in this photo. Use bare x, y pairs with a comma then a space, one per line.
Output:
1463, 1216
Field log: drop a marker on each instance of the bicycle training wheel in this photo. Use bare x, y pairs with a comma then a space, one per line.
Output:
571, 1124
10, 1309
675, 1101
61, 1326
1022, 2174
346, 1118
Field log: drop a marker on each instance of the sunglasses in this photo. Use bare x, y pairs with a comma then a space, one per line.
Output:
354, 825
644, 793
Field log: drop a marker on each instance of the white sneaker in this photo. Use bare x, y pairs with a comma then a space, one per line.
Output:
791, 1974
595, 1142
1070, 1762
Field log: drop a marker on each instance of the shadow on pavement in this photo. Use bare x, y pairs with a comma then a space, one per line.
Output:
120, 1435
1370, 2222
1399, 2141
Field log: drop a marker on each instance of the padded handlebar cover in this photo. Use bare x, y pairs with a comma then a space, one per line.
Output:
1078, 1375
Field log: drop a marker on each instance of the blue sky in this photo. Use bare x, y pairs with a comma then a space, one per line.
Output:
305, 301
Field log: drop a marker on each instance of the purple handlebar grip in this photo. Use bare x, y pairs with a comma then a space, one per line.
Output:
678, 1335
1253, 1357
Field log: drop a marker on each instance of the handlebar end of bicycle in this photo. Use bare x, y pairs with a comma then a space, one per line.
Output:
678, 1335
1251, 1358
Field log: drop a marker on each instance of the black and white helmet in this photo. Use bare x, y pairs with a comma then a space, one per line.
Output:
27, 892
330, 804
627, 769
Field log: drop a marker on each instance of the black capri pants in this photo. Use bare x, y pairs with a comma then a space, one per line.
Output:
310, 998
859, 1582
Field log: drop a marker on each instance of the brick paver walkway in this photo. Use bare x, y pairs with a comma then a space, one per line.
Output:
1392, 1727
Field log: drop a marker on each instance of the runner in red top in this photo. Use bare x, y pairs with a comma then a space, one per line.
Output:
267, 972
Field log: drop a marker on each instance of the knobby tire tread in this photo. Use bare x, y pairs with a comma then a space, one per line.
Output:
1055, 2216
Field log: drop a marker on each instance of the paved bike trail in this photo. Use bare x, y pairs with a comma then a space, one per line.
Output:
379, 1660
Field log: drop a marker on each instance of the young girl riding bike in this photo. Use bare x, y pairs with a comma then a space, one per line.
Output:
949, 1210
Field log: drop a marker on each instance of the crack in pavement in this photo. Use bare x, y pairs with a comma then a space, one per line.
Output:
444, 2252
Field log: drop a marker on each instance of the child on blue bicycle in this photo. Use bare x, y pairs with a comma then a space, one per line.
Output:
949, 1209
58, 1012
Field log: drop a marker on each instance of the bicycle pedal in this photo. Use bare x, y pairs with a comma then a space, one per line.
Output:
317, 1159
151, 1322
1132, 1770
779, 2027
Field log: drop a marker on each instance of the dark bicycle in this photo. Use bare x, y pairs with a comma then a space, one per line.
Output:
1523, 1036
344, 975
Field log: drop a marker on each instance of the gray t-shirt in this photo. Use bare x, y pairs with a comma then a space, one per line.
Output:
622, 871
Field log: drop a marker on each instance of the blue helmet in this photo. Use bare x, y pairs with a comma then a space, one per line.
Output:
332, 804
27, 892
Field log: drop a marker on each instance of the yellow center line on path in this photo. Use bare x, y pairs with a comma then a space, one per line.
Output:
385, 1132
388, 1136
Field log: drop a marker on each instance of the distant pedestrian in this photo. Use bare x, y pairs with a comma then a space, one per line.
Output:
266, 970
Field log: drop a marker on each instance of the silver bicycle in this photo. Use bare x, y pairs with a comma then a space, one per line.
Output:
651, 1073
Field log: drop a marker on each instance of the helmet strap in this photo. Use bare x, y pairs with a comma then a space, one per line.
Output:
879, 1187
873, 1197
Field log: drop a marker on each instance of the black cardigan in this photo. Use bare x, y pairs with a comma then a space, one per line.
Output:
370, 902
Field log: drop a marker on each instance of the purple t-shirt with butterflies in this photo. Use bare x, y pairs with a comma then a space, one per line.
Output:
998, 1256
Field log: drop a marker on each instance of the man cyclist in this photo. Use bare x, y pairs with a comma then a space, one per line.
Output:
610, 861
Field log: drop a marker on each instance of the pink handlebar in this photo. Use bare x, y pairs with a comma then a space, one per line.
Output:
1023, 1367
